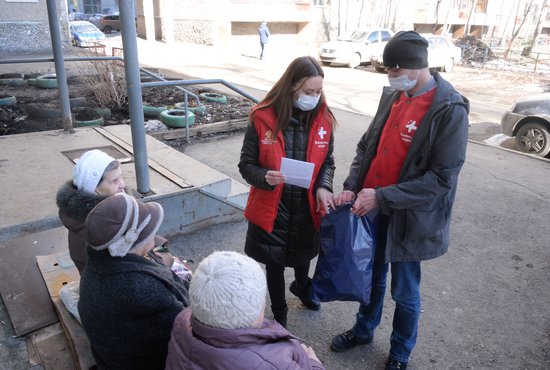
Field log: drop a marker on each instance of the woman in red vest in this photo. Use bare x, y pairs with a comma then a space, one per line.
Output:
292, 121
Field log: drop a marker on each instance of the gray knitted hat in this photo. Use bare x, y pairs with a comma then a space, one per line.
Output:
228, 291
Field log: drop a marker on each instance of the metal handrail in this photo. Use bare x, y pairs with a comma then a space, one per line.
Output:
162, 81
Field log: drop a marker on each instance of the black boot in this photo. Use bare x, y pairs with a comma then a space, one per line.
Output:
280, 315
305, 295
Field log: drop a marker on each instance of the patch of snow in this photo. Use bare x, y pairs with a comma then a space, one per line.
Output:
496, 140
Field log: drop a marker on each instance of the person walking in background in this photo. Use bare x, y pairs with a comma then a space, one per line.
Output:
225, 322
292, 121
128, 301
264, 36
406, 167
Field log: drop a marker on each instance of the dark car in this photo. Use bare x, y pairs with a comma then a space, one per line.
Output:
109, 22
528, 120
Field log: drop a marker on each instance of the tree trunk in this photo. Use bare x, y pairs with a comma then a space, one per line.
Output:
536, 34
516, 33
360, 13
467, 27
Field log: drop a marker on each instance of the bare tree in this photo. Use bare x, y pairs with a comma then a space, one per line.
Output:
360, 14
467, 26
542, 15
517, 31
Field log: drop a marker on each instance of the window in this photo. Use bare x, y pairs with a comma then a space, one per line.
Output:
481, 6
385, 35
373, 37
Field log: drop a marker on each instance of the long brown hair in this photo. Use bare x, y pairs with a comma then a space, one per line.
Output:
281, 95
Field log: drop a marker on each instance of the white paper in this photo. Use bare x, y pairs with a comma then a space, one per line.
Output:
297, 172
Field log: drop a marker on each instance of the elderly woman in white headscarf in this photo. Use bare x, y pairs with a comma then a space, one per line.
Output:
128, 301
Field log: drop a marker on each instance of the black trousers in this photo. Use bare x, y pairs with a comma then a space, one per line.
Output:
275, 275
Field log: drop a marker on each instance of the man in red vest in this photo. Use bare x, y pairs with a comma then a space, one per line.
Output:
405, 175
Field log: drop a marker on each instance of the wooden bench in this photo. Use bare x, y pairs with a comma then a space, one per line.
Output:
57, 271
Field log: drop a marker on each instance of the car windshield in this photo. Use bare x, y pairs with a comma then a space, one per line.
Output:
355, 36
85, 28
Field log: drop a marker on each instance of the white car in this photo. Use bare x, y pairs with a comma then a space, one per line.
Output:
442, 54
84, 34
355, 48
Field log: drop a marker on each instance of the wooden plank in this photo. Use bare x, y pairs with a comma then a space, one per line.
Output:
154, 165
57, 272
21, 285
211, 128
50, 349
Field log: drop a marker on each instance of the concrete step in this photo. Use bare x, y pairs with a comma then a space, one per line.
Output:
195, 173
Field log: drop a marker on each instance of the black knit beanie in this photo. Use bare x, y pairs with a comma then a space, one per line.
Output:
406, 49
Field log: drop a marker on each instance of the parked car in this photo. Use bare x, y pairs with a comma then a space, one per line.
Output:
109, 22
528, 120
442, 54
354, 49
74, 16
85, 34
94, 19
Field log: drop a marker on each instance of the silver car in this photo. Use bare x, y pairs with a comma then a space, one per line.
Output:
442, 54
355, 48
528, 120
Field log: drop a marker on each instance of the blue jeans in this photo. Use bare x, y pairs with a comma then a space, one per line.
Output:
405, 291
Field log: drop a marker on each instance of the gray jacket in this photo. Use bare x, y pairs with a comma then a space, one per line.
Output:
419, 205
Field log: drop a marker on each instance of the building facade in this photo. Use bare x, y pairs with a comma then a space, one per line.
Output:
299, 23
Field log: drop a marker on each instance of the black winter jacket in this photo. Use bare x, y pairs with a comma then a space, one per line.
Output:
294, 240
74, 206
127, 306
419, 205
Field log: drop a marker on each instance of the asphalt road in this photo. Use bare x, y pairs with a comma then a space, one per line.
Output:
485, 302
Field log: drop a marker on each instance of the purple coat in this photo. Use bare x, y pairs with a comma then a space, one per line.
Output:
195, 346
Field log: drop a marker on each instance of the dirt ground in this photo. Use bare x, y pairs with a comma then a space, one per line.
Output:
19, 119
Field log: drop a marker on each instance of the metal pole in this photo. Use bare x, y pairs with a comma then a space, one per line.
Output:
135, 102
57, 47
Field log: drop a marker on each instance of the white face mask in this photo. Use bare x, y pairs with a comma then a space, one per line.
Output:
306, 102
402, 83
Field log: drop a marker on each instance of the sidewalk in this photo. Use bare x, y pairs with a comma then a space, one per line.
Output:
485, 303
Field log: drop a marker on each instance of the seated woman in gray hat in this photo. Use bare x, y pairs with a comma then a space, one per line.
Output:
128, 301
224, 328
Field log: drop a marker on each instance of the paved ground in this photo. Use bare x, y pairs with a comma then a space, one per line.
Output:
485, 303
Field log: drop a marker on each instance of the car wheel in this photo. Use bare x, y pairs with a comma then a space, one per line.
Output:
107, 29
533, 138
354, 60
449, 65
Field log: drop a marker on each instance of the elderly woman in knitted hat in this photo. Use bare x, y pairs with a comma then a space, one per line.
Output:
128, 301
96, 176
225, 328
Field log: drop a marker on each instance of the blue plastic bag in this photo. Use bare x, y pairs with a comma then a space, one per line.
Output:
344, 266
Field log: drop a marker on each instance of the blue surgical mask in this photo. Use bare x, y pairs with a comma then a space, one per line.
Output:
306, 102
402, 83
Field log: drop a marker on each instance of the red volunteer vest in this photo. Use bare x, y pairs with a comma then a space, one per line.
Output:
262, 205
395, 140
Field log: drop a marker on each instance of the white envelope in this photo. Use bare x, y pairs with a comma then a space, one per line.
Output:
297, 172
